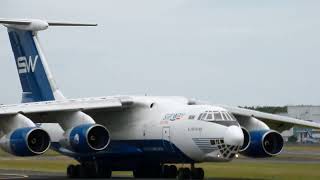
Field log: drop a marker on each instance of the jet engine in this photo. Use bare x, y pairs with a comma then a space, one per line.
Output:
27, 141
87, 138
261, 143
246, 139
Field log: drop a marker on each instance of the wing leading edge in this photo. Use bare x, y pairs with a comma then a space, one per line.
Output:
85, 104
274, 121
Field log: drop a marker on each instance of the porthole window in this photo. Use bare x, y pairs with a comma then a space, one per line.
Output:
151, 105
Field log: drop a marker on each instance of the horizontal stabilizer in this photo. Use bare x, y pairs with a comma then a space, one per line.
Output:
37, 25
69, 24
18, 22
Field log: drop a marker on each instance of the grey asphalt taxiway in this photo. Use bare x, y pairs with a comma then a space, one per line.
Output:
20, 175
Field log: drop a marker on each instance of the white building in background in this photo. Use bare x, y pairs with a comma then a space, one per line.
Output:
308, 113
305, 112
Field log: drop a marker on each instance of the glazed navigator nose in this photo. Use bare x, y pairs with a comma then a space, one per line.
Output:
234, 136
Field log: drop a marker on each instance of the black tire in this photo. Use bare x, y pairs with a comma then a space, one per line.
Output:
172, 171
187, 173
148, 171
82, 171
103, 172
108, 173
77, 171
184, 173
71, 171
165, 173
200, 173
197, 173
137, 173
154, 171
181, 174
90, 171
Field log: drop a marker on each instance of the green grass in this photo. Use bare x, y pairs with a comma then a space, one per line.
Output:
262, 170
310, 148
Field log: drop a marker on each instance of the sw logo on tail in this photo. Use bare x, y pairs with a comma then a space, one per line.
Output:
25, 66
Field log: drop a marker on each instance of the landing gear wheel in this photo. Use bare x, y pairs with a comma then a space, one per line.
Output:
71, 171
197, 173
165, 172
184, 173
91, 171
148, 171
172, 171
154, 171
88, 170
83, 171
104, 173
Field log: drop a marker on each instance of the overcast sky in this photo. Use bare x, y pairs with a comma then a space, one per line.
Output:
233, 52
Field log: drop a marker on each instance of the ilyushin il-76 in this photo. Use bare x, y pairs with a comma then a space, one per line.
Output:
144, 134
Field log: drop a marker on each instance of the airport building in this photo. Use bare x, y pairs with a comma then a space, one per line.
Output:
307, 113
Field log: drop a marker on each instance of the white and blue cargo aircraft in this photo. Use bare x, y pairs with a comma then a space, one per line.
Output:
142, 134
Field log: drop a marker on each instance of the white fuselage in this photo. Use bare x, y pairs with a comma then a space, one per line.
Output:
174, 121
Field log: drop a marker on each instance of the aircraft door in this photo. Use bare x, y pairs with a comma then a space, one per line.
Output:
166, 139
166, 133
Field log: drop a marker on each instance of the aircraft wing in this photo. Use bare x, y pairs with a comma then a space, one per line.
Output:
84, 104
275, 122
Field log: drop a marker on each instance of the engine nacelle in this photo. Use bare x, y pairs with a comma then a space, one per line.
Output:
27, 141
246, 139
263, 143
87, 138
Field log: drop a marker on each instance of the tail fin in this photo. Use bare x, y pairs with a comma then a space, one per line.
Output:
35, 77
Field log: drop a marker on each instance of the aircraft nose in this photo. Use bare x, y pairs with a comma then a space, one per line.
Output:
234, 136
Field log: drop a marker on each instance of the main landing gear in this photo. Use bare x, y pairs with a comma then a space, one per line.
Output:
95, 170
193, 173
155, 171
88, 170
166, 171
186, 173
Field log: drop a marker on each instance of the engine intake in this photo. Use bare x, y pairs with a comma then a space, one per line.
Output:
272, 143
264, 143
246, 139
89, 138
26, 142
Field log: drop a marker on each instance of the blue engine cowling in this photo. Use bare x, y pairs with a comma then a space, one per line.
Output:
263, 143
89, 138
28, 141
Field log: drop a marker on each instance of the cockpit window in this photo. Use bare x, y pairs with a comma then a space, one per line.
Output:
229, 117
217, 116
209, 117
224, 116
232, 116
202, 116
